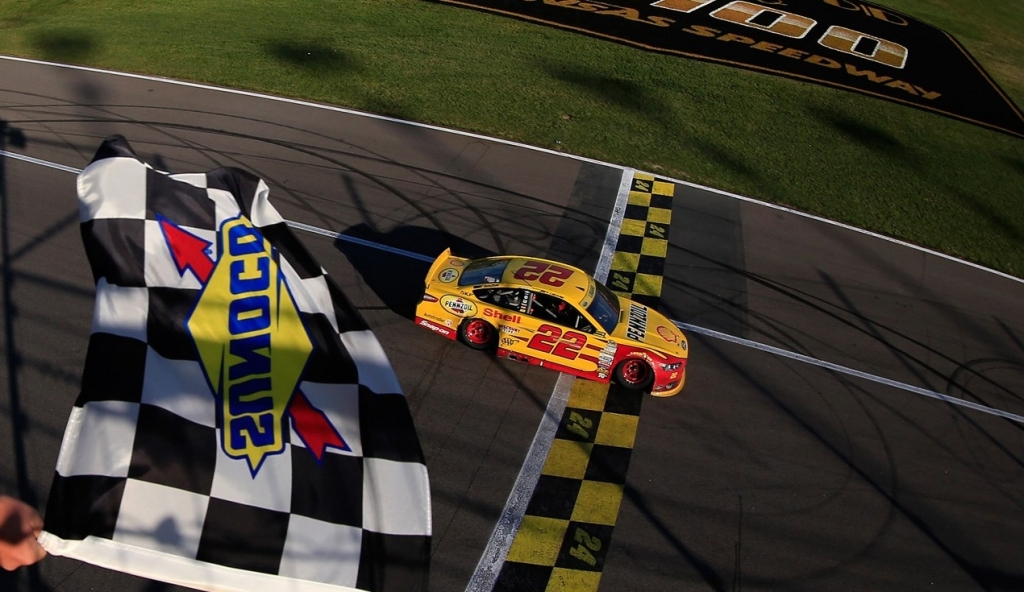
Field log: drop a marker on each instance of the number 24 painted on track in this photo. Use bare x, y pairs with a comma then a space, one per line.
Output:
545, 273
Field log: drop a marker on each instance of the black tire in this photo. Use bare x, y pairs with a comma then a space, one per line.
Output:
634, 374
478, 334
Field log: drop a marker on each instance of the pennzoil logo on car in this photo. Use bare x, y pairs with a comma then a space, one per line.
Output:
251, 341
459, 306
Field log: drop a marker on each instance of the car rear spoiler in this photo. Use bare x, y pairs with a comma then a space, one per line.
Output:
436, 265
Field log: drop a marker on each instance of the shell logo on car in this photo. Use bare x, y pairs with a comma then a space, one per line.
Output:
553, 315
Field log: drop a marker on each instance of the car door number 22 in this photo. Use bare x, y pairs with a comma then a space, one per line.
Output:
550, 340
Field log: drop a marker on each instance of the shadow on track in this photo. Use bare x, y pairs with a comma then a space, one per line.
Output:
14, 138
396, 279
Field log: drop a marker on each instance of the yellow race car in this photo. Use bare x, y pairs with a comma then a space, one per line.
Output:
553, 315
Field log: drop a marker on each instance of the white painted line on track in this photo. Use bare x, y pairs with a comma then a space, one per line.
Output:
292, 223
507, 143
485, 576
848, 371
489, 567
684, 326
45, 163
604, 264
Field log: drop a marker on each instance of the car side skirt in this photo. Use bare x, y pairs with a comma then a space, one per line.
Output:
438, 328
533, 361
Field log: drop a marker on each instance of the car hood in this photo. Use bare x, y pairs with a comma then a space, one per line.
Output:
639, 323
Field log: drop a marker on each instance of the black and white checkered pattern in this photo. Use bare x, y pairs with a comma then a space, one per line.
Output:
142, 483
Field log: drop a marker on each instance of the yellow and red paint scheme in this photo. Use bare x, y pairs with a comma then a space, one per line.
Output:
553, 315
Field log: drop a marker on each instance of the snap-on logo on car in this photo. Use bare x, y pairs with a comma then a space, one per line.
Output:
459, 306
435, 328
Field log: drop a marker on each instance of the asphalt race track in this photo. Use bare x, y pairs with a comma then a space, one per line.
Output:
765, 473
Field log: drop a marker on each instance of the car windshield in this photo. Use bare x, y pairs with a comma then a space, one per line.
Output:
605, 308
483, 271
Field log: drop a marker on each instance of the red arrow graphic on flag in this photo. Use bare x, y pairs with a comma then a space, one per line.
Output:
188, 250
311, 424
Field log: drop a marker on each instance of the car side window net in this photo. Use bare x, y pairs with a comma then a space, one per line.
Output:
509, 298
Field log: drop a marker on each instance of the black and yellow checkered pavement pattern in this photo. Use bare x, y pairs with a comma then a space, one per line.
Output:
564, 536
638, 264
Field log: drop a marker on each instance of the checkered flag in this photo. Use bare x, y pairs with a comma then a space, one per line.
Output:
239, 426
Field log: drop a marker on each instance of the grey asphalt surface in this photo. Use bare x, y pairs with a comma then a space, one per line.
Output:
764, 474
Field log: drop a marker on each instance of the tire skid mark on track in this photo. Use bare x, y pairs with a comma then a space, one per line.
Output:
686, 327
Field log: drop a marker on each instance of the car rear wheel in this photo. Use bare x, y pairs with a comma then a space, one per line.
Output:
634, 374
478, 333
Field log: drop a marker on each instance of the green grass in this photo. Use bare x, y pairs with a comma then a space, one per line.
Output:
893, 169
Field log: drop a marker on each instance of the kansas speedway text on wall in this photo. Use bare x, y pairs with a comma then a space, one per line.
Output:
844, 43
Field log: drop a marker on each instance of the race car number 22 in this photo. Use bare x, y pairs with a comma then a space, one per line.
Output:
550, 340
545, 273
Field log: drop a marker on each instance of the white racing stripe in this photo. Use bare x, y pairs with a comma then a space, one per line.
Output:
45, 163
848, 371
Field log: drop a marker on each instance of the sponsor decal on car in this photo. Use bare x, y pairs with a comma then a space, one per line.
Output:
524, 305
429, 297
435, 328
607, 355
668, 334
509, 330
636, 327
606, 358
589, 297
458, 306
448, 276
497, 314
456, 263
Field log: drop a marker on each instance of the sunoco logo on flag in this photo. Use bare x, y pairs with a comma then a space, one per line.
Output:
251, 342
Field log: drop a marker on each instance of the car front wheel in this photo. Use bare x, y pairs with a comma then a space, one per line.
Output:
478, 333
634, 374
